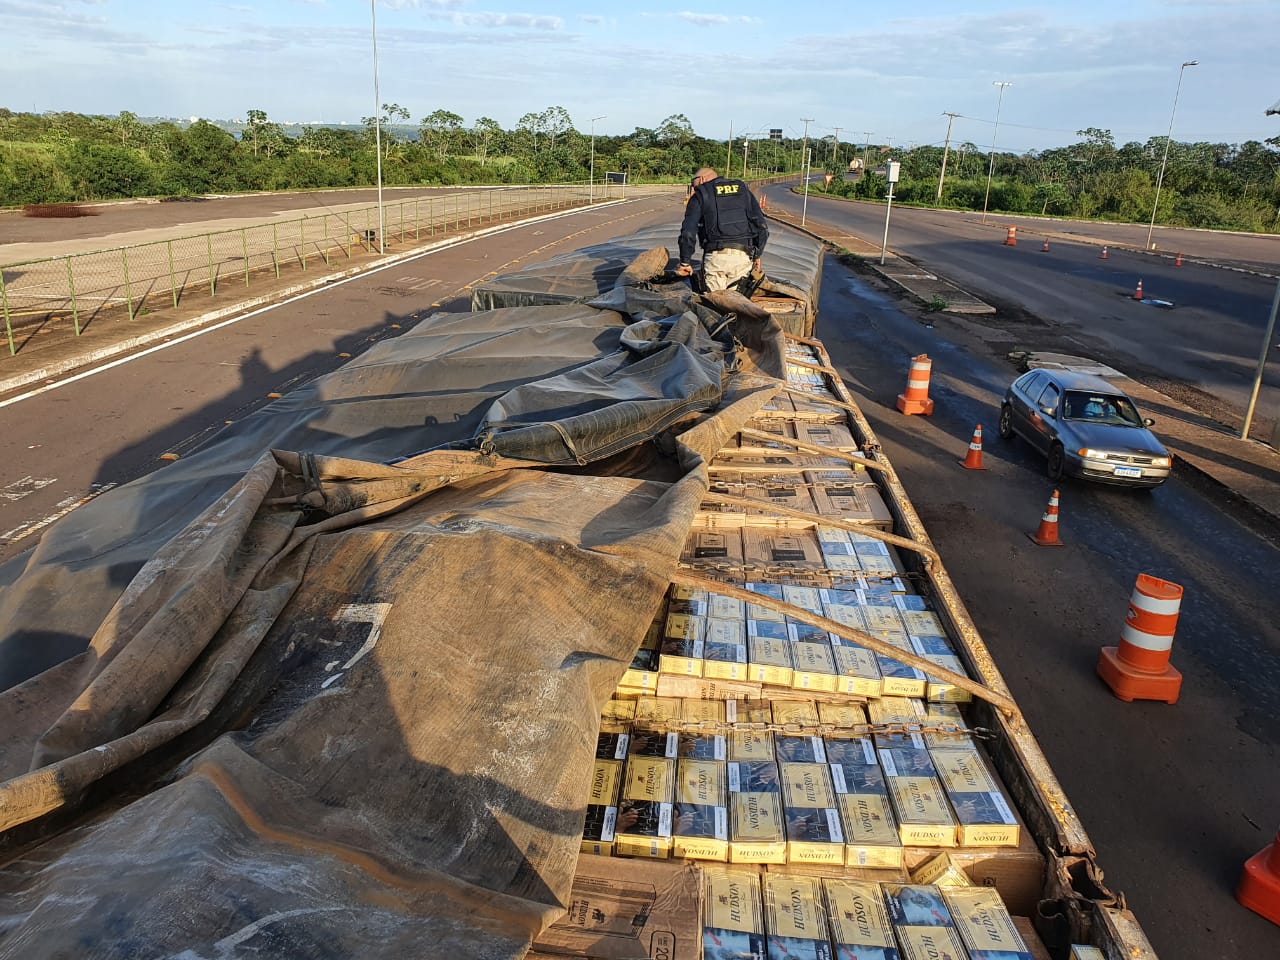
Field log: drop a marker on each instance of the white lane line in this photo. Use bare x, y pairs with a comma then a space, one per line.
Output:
25, 487
24, 530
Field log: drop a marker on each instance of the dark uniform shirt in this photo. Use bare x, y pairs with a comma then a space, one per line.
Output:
723, 213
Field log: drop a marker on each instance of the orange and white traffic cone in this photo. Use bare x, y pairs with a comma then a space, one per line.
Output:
1138, 669
1045, 248
1137, 293
1011, 238
1259, 887
973, 459
916, 398
1177, 261
1103, 254
1047, 533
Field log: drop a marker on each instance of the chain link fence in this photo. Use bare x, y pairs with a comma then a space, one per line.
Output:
127, 281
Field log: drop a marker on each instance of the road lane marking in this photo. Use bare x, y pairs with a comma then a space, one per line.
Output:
24, 530
25, 487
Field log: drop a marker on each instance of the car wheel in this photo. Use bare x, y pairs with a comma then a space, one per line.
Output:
1006, 422
1057, 462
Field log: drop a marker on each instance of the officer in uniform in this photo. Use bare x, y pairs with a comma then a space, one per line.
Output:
726, 218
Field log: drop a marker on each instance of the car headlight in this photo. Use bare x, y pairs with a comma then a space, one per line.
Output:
1161, 461
1091, 454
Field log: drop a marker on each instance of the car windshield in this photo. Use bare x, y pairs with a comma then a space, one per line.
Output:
1101, 408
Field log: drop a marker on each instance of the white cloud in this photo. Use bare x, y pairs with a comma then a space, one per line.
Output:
712, 19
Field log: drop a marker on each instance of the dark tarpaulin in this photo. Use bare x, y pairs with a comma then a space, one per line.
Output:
345, 701
792, 262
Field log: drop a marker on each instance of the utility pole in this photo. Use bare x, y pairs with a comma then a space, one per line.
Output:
745, 143
804, 152
834, 147
728, 153
945, 150
866, 147
991, 168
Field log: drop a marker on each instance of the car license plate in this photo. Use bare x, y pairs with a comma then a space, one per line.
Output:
1128, 472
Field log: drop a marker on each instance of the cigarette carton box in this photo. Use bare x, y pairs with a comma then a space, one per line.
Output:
817, 410
775, 462
900, 680
694, 708
712, 545
704, 688
782, 429
800, 749
912, 601
628, 910
1083, 951
682, 646
919, 802
758, 613
929, 943
940, 871
785, 490
797, 631
778, 406
806, 598
922, 623
700, 829
836, 436
767, 548
733, 921
814, 832
880, 585
769, 661
800, 712
602, 807
858, 920
612, 745
642, 675
842, 714
795, 918
645, 808
815, 666
773, 629
618, 711
896, 710
857, 671
753, 776
756, 833
751, 745
984, 924
702, 746
659, 709
720, 607
871, 833
835, 494
883, 620
755, 711
725, 651
647, 742
916, 905
983, 812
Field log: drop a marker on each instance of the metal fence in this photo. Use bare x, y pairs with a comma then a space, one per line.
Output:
126, 281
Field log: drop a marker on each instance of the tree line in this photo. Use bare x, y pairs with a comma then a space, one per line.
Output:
71, 157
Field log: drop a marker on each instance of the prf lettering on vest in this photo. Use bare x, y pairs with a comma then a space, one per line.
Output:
723, 188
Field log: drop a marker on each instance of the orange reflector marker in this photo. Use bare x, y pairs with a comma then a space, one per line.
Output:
274, 396
1046, 534
973, 459
1259, 887
1138, 669
169, 456
916, 398
1011, 238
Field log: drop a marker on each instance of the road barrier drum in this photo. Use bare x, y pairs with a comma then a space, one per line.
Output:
916, 397
1138, 669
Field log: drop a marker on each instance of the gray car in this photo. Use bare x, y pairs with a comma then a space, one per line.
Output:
1085, 427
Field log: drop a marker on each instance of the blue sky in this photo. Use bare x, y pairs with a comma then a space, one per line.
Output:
886, 69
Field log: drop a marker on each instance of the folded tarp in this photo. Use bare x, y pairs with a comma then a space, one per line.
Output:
345, 664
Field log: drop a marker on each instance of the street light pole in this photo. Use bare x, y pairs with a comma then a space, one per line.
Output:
945, 150
991, 168
377, 124
1167, 139
591, 187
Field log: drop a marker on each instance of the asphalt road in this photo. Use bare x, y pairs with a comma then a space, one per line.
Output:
1208, 342
1175, 798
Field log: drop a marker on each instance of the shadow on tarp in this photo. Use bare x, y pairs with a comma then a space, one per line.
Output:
412, 658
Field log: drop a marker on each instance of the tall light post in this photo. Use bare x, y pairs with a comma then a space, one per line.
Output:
1160, 180
377, 122
591, 187
1266, 339
991, 167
